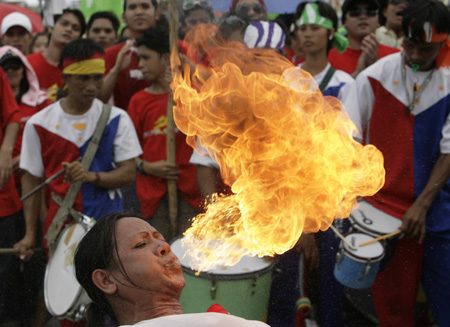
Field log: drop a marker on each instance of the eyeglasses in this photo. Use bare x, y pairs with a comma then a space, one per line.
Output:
190, 4
362, 11
12, 66
245, 8
397, 2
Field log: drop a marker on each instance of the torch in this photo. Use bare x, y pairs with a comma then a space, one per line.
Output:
170, 130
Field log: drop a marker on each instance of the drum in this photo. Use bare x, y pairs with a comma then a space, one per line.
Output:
372, 221
64, 297
357, 268
242, 289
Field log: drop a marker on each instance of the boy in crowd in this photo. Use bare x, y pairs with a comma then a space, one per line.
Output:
69, 26
103, 28
16, 31
360, 18
148, 111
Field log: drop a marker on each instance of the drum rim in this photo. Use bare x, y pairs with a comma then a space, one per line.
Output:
363, 259
67, 314
238, 276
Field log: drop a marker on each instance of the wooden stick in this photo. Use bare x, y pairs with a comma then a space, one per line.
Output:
15, 251
170, 131
380, 238
45, 183
342, 237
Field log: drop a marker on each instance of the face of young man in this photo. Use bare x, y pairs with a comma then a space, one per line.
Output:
361, 20
150, 64
394, 14
18, 37
83, 88
421, 53
313, 38
139, 15
67, 28
102, 32
196, 17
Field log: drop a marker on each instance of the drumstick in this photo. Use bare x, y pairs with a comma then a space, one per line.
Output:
342, 237
45, 183
380, 238
15, 251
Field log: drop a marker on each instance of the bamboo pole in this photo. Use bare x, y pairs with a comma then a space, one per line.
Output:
170, 131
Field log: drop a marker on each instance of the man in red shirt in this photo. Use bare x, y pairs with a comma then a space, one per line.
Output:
360, 18
69, 26
123, 77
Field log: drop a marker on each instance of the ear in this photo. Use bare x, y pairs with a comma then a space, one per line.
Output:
124, 19
332, 31
165, 59
104, 281
49, 29
384, 12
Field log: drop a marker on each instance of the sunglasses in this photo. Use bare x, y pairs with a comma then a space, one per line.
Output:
397, 2
362, 11
203, 4
12, 66
244, 9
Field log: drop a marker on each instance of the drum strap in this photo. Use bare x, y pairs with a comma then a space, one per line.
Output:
64, 209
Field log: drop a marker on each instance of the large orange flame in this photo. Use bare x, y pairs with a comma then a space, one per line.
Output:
286, 151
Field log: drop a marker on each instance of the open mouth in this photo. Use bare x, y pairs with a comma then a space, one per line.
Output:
399, 13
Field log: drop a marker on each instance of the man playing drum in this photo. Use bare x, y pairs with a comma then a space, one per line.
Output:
133, 277
58, 135
401, 103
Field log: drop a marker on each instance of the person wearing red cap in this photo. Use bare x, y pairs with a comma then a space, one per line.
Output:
401, 105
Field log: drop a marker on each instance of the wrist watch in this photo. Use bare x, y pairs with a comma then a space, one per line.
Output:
139, 167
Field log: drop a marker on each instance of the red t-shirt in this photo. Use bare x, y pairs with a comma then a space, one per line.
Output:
9, 197
129, 81
348, 60
49, 76
149, 115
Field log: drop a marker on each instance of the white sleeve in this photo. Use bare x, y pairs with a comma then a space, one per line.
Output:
126, 142
445, 141
203, 160
358, 100
30, 154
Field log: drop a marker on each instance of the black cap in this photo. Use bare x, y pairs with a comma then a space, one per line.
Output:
348, 3
9, 55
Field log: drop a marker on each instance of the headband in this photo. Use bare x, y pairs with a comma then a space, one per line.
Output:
311, 15
93, 65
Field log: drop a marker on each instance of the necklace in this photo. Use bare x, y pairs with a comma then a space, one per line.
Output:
416, 92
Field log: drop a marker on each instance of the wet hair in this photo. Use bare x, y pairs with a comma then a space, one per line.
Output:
432, 11
154, 3
35, 37
156, 39
98, 250
109, 15
325, 10
76, 13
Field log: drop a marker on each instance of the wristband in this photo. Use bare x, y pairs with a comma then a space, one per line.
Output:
140, 168
97, 178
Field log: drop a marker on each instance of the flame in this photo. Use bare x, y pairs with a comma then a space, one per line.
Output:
286, 151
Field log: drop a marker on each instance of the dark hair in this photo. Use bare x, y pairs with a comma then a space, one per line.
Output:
231, 23
96, 251
326, 11
432, 11
109, 15
187, 13
76, 13
35, 37
79, 49
154, 3
156, 39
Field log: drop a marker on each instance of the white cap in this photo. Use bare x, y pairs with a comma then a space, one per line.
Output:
16, 19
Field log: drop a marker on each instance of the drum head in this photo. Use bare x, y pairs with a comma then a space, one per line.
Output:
368, 218
61, 288
372, 251
245, 266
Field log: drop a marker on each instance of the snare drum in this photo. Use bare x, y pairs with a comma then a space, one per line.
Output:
242, 289
372, 221
357, 268
64, 297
